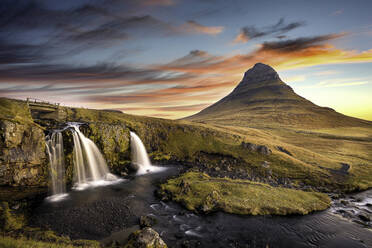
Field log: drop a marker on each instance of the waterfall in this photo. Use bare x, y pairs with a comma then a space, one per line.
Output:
140, 159
54, 145
89, 165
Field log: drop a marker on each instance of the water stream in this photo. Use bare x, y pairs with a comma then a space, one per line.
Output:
90, 168
140, 158
111, 212
54, 147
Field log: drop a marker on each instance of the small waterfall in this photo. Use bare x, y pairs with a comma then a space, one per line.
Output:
54, 145
140, 159
89, 165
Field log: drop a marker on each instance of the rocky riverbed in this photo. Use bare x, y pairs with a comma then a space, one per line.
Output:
110, 213
355, 207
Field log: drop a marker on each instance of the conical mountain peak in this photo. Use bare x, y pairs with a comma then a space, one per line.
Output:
261, 76
260, 73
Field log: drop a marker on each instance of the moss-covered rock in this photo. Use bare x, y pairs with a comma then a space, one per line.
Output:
202, 193
22, 154
114, 141
145, 238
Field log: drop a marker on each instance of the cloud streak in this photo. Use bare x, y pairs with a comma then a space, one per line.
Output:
280, 28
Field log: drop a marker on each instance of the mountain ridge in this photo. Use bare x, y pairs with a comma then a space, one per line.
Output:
262, 98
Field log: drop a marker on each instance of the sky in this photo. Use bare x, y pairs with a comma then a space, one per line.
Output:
172, 58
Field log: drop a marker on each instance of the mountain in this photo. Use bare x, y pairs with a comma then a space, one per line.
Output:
263, 99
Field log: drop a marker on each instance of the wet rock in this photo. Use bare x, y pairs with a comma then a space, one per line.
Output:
145, 238
147, 221
114, 142
364, 217
133, 167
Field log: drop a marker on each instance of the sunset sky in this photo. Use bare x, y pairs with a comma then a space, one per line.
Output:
172, 58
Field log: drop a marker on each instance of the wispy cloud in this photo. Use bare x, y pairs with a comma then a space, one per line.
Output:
341, 82
280, 28
284, 54
326, 73
194, 27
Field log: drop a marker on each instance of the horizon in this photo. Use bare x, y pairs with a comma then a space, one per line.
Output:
171, 58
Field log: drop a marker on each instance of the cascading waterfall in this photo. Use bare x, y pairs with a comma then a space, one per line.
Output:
139, 156
89, 165
54, 145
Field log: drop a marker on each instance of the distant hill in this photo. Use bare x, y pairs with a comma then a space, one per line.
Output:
263, 99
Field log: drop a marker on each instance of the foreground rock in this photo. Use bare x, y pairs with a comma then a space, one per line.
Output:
202, 193
145, 238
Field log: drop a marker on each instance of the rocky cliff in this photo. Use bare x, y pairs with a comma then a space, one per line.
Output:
22, 147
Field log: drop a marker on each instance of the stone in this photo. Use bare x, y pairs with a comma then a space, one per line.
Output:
147, 221
364, 217
264, 150
145, 238
23, 159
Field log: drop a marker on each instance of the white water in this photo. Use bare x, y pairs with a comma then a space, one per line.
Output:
89, 165
54, 145
140, 157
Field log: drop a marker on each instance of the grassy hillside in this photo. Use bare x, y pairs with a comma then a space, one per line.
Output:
311, 157
14, 110
317, 140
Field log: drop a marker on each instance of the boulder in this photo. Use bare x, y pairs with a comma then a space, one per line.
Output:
364, 217
264, 150
147, 221
145, 238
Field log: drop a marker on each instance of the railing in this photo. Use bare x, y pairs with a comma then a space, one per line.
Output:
41, 103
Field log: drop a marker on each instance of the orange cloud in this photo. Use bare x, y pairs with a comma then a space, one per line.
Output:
288, 54
194, 27
241, 38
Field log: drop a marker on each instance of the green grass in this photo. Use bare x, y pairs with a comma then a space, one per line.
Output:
14, 110
200, 192
9, 242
